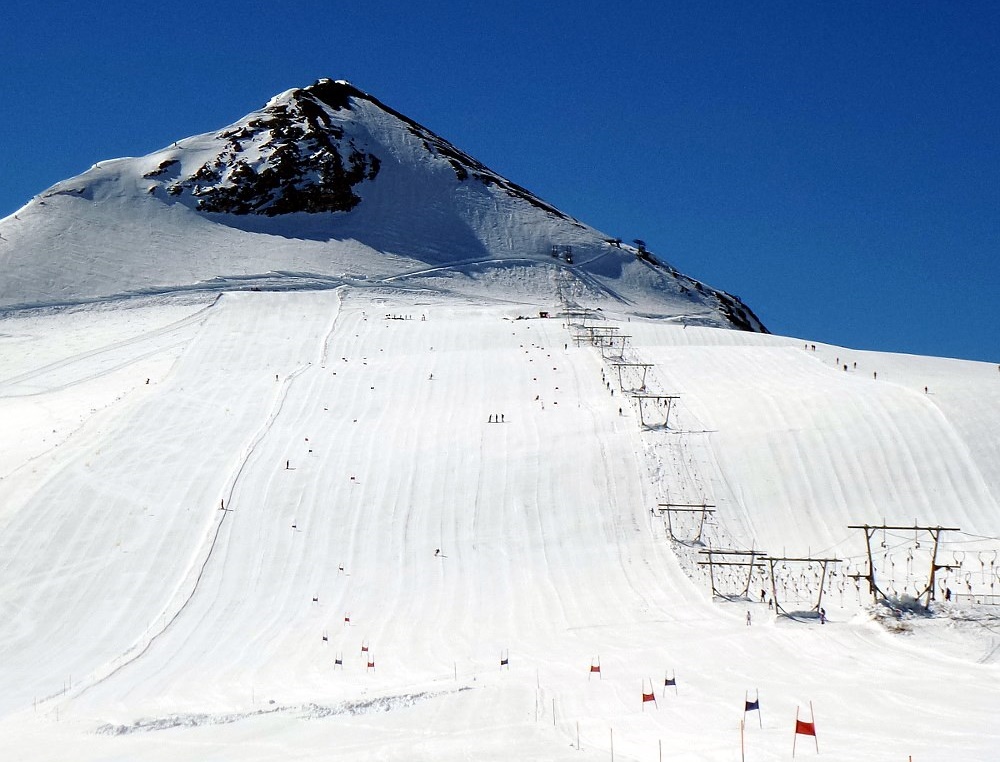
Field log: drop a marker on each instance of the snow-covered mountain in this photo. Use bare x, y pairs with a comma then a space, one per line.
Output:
328, 485
324, 185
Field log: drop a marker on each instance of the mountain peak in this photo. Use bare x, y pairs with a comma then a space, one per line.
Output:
292, 156
335, 93
323, 181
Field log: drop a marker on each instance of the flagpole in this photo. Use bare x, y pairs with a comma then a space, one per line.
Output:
815, 735
796, 736
743, 755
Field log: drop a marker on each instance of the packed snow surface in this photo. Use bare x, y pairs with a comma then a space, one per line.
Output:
209, 500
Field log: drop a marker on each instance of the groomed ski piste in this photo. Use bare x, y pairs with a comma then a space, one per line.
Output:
208, 500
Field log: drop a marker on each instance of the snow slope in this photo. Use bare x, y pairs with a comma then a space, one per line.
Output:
325, 185
256, 502
347, 435
322, 186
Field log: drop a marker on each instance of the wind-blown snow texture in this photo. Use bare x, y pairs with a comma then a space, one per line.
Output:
211, 496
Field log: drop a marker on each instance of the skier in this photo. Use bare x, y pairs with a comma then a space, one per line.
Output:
748, 619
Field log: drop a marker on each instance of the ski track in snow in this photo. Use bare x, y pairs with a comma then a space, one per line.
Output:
121, 573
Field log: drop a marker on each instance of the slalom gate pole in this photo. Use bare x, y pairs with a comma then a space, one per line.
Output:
812, 716
796, 735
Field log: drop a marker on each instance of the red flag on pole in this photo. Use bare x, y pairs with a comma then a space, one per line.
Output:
651, 696
804, 728
595, 667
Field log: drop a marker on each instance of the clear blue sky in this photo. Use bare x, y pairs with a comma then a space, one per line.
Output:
836, 164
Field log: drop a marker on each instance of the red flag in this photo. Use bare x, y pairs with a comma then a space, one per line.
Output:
595, 668
648, 697
804, 728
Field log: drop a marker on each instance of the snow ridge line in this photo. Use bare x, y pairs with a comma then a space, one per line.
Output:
148, 336
324, 347
309, 711
281, 397
132, 360
11, 310
540, 259
83, 424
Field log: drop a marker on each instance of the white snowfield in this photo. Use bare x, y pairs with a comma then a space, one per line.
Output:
208, 501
